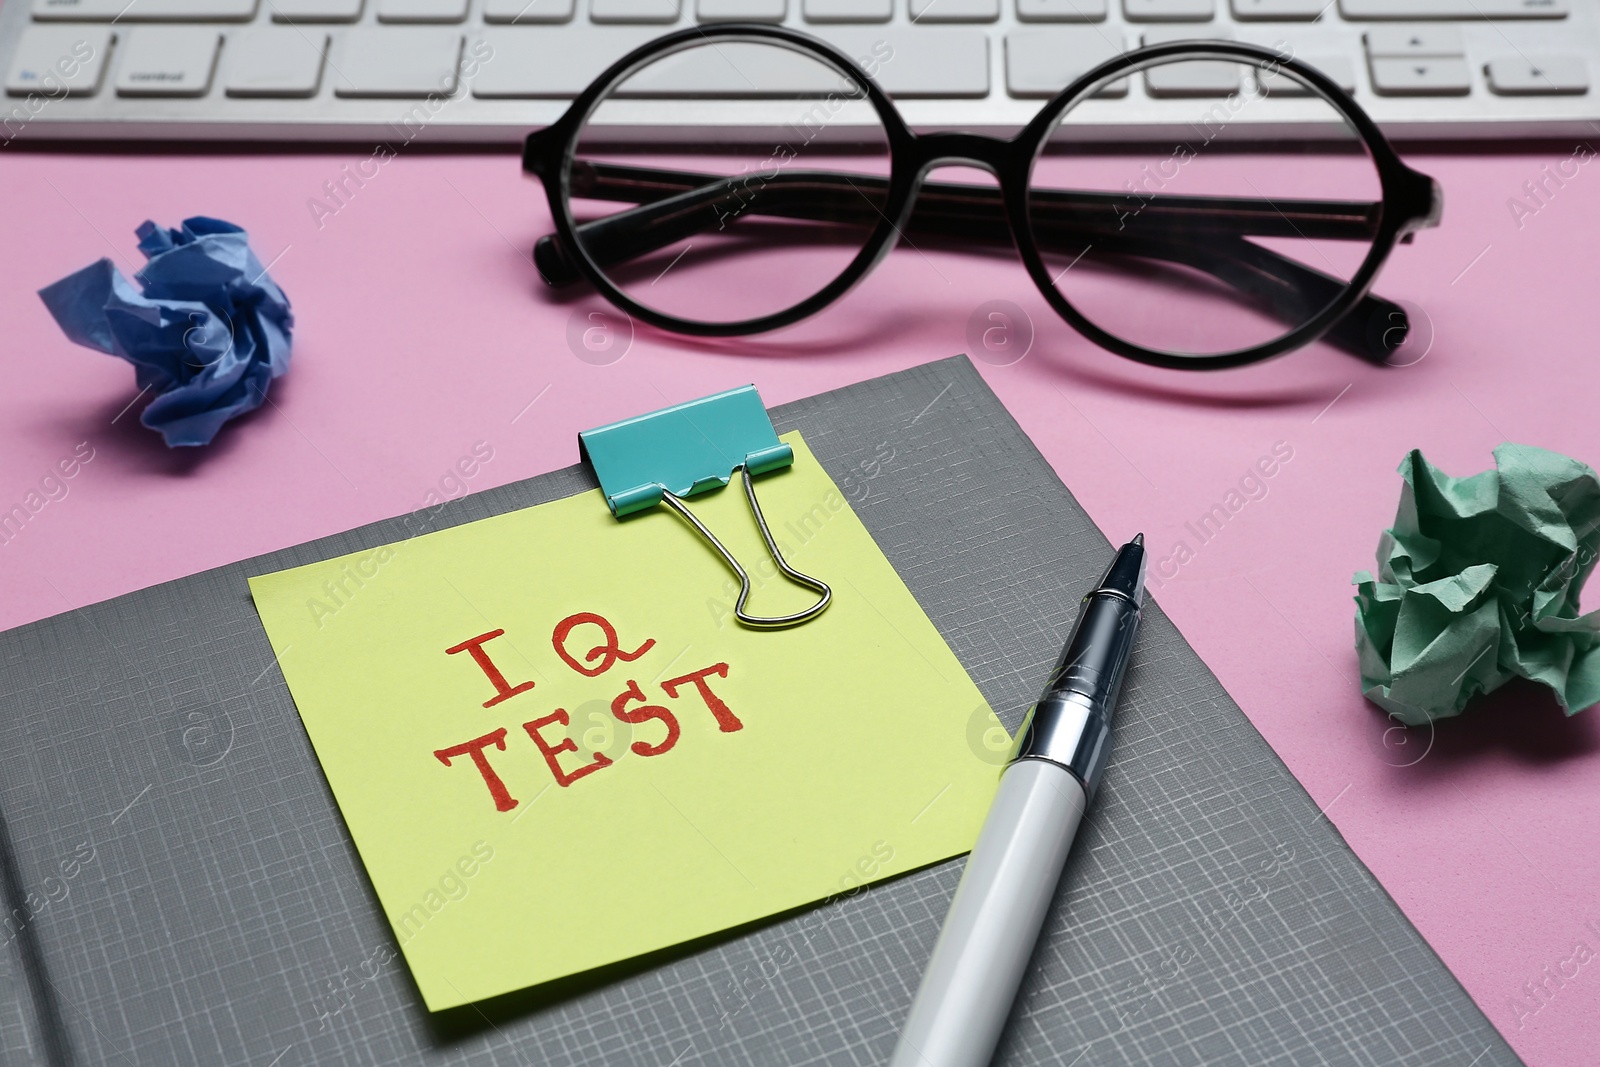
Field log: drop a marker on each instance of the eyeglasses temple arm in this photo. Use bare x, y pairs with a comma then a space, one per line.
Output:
1291, 291
1201, 232
679, 204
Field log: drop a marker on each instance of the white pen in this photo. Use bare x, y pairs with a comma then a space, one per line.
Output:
989, 935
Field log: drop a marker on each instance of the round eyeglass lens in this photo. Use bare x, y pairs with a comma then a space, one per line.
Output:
773, 184
1241, 218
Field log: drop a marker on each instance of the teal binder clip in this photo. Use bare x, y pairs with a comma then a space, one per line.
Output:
689, 448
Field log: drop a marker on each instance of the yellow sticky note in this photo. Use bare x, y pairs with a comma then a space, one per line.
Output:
555, 747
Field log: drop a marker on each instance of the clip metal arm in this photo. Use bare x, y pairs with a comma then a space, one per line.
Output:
761, 622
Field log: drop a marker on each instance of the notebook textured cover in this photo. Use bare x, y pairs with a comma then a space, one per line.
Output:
180, 888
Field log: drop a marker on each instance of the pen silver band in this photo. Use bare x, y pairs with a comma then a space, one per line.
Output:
1069, 730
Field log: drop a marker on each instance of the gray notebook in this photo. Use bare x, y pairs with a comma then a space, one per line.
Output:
180, 888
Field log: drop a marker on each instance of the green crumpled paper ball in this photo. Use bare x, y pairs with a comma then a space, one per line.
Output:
1478, 583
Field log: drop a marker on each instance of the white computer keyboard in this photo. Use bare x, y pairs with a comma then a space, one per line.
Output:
490, 70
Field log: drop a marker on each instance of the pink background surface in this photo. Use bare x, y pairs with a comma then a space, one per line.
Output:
422, 329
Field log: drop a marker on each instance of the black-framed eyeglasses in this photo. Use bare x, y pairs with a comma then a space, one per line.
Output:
1253, 226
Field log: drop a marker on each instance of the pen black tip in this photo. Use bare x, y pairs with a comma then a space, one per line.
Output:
1126, 573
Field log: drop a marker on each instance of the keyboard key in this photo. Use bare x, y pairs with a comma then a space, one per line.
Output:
954, 10
275, 61
525, 66
925, 61
1168, 34
847, 10
1422, 40
528, 11
1421, 77
1043, 62
50, 59
1061, 10
407, 62
422, 10
1406, 10
1339, 68
144, 10
741, 10
1538, 75
731, 69
314, 10
1276, 10
167, 61
634, 11
1169, 10
1195, 77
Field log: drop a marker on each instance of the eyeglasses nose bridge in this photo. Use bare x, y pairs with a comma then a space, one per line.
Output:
945, 148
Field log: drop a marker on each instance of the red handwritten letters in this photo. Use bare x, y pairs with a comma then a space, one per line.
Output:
632, 706
550, 752
607, 653
473, 646
475, 749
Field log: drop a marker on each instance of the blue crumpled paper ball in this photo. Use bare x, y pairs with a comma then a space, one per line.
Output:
207, 335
